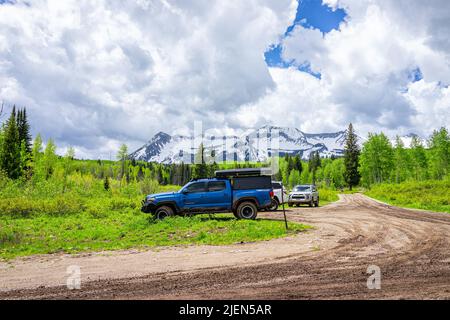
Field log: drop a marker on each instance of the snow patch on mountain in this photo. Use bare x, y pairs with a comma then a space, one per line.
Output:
256, 145
253, 145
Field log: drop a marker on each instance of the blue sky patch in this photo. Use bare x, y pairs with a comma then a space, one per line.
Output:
311, 14
415, 75
7, 1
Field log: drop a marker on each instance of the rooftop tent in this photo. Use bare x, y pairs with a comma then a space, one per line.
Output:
237, 173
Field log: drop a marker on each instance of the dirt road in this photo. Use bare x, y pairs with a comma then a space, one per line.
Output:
411, 248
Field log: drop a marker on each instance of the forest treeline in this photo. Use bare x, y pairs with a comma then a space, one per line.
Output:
378, 161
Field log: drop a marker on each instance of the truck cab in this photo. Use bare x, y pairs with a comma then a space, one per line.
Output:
243, 192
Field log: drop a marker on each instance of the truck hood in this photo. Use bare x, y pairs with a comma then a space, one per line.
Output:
161, 195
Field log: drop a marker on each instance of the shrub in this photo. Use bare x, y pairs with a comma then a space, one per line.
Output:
97, 211
9, 236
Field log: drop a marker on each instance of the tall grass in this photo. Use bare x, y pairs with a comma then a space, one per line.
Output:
328, 195
79, 214
428, 195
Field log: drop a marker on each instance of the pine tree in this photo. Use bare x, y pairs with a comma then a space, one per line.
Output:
10, 154
200, 168
351, 158
24, 129
298, 163
106, 183
314, 164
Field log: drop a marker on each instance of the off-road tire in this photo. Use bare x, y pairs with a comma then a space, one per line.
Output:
163, 212
247, 210
311, 204
316, 204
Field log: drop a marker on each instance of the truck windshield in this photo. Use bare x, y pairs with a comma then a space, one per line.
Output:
302, 188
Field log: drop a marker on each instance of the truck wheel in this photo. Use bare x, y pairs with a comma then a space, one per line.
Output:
247, 210
274, 205
235, 214
317, 203
311, 203
163, 212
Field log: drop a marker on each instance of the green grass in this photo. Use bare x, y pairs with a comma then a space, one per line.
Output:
128, 229
427, 195
50, 216
328, 196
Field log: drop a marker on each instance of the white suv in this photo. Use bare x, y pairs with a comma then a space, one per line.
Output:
279, 194
304, 194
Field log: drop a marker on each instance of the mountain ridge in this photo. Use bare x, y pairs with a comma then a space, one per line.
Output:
254, 145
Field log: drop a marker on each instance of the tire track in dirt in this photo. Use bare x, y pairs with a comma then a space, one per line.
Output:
412, 249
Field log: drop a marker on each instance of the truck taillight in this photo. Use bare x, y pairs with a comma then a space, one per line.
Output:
271, 193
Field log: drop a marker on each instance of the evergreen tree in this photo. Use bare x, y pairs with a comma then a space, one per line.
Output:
10, 160
351, 158
297, 162
200, 168
106, 185
314, 164
24, 129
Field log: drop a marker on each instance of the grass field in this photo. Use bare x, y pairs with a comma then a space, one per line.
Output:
128, 229
328, 196
427, 195
39, 219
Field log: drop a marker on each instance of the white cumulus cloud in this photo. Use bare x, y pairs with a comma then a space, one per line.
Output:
97, 73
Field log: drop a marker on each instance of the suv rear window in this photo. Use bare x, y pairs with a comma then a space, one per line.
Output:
276, 185
216, 186
248, 183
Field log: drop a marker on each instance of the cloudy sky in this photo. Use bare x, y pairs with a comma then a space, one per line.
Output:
96, 73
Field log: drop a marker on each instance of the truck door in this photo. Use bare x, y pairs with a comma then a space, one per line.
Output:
219, 196
194, 196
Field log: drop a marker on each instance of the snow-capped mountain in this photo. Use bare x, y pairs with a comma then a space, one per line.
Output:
258, 145
407, 140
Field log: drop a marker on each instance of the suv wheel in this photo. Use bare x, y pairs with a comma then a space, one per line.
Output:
274, 205
163, 212
316, 204
311, 203
247, 210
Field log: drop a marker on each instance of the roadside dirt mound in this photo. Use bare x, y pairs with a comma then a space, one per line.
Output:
411, 248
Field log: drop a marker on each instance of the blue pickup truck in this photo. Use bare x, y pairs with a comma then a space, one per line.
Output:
243, 192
